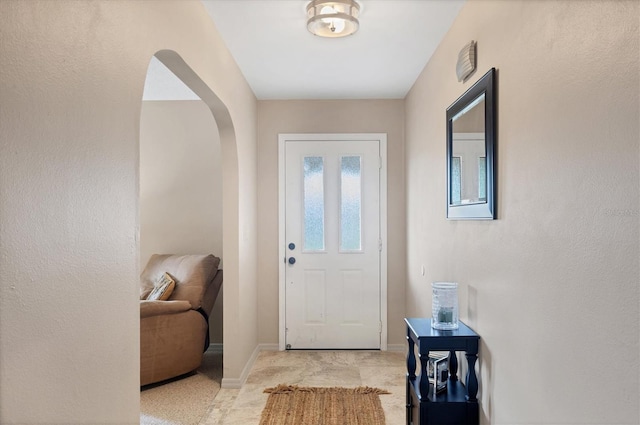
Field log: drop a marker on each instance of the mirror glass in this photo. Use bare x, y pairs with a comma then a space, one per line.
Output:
469, 155
471, 141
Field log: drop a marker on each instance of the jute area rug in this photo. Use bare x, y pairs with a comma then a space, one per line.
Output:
293, 405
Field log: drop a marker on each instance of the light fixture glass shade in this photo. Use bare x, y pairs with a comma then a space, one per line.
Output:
333, 18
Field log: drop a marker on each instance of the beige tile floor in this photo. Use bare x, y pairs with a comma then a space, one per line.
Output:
381, 369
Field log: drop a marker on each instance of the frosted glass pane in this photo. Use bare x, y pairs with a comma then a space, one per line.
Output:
350, 204
314, 203
455, 180
482, 178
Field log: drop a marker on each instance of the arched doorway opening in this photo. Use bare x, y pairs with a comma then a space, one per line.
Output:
187, 155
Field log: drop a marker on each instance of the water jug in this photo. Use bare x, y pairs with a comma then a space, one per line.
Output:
444, 305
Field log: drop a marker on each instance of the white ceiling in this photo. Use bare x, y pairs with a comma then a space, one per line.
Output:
281, 60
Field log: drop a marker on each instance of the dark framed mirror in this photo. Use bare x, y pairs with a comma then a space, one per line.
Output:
471, 152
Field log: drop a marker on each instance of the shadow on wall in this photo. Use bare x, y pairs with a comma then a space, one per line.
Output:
485, 380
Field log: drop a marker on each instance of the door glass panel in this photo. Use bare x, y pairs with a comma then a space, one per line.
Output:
350, 204
455, 180
482, 179
313, 203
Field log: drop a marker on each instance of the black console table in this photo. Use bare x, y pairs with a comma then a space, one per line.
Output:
457, 405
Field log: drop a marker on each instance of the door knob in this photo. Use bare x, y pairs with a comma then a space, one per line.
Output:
292, 260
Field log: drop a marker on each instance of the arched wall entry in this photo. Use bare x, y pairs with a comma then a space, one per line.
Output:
229, 161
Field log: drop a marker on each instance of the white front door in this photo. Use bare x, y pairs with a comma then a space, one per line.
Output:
332, 244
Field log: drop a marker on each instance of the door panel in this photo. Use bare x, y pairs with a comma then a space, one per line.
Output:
332, 221
315, 283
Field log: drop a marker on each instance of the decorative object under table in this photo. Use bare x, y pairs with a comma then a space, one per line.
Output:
458, 405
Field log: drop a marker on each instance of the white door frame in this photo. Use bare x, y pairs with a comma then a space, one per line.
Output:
381, 138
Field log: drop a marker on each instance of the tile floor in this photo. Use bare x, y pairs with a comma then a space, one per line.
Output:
381, 369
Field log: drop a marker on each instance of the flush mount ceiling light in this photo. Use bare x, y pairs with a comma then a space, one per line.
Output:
333, 18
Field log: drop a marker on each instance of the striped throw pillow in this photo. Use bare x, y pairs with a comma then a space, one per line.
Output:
162, 288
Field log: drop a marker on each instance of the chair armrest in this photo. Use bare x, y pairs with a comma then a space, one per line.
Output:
156, 308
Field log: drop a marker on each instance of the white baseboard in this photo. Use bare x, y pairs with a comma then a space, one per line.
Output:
216, 346
269, 347
397, 347
231, 383
236, 383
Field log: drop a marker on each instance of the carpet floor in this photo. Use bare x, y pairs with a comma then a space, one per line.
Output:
185, 400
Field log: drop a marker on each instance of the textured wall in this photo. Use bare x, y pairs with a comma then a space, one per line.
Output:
552, 285
322, 116
71, 85
181, 185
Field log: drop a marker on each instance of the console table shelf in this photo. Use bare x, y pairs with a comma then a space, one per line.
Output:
457, 405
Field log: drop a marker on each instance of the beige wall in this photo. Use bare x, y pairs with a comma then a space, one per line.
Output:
552, 285
324, 116
181, 185
538, 284
70, 95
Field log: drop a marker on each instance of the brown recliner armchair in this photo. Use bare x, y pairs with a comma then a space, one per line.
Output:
175, 333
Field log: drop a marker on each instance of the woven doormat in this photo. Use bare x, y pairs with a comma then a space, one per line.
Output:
293, 405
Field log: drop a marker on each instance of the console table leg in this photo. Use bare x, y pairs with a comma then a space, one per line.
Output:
424, 376
409, 405
411, 359
472, 379
411, 376
453, 366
